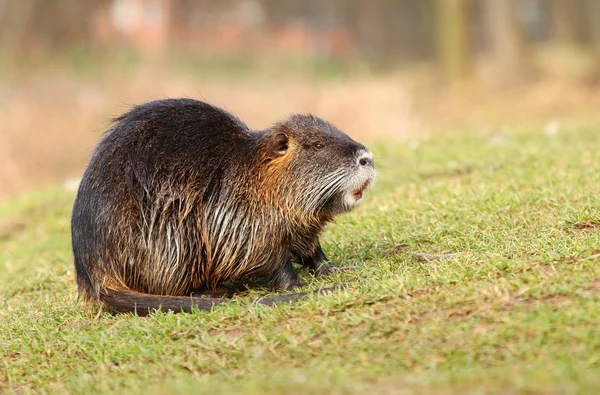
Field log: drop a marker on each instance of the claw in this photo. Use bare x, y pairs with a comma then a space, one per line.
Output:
327, 269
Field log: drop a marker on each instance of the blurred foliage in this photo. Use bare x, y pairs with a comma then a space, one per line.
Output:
449, 33
379, 68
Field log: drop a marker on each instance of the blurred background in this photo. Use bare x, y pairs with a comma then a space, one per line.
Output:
405, 70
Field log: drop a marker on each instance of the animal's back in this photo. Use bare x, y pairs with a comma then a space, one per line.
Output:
142, 195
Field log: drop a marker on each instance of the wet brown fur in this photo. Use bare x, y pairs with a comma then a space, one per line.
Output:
181, 197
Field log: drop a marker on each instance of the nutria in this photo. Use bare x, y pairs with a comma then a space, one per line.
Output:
181, 197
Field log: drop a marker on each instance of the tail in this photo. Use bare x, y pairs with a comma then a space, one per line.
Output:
128, 301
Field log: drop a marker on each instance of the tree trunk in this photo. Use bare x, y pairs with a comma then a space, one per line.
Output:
566, 21
593, 20
506, 39
453, 39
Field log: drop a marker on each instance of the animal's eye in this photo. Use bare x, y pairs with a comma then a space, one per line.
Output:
318, 145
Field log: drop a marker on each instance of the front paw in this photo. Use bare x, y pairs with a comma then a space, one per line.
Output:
327, 269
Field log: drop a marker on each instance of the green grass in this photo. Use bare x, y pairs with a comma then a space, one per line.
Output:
517, 310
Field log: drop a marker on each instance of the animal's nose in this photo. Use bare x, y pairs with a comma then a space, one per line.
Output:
365, 158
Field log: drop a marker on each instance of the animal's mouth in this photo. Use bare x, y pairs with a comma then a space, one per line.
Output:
358, 194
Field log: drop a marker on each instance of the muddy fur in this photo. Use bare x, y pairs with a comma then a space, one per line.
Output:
181, 197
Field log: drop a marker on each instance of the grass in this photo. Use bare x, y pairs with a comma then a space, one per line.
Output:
516, 309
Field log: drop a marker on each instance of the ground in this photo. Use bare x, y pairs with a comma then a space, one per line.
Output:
510, 304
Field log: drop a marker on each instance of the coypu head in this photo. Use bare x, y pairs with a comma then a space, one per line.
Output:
325, 170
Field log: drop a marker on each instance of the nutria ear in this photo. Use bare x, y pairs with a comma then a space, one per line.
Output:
278, 143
